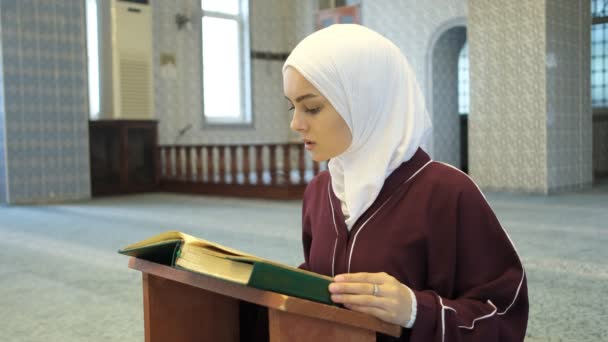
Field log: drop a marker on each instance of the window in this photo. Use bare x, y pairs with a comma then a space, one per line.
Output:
93, 57
463, 80
226, 62
599, 54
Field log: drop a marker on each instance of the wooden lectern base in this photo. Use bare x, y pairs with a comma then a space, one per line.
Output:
181, 306
179, 312
285, 326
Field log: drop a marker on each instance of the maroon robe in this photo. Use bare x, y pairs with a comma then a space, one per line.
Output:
432, 229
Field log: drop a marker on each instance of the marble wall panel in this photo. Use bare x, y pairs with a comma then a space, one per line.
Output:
45, 100
507, 120
569, 116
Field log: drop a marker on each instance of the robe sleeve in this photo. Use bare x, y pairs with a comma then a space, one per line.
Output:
478, 284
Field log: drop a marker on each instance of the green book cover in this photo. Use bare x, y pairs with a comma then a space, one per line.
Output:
283, 280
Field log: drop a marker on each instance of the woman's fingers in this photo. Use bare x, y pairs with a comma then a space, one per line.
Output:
362, 300
363, 277
353, 288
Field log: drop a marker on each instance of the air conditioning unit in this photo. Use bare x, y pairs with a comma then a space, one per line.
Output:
127, 82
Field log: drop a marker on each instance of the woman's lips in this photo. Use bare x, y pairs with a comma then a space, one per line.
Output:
309, 145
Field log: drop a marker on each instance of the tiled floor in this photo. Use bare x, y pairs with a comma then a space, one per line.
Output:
62, 280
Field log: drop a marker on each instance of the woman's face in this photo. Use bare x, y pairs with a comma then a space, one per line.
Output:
324, 133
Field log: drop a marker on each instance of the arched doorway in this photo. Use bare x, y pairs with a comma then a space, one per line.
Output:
449, 125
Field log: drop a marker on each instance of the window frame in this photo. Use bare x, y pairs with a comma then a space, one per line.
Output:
246, 118
597, 20
467, 93
95, 30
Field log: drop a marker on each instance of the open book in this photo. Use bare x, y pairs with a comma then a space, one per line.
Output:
184, 251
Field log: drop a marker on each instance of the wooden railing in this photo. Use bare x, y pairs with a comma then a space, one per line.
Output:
600, 146
279, 171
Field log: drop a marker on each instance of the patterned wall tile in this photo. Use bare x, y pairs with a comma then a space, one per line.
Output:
507, 130
569, 116
46, 116
301, 17
3, 185
530, 116
269, 29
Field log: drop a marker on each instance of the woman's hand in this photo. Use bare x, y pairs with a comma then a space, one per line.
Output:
391, 301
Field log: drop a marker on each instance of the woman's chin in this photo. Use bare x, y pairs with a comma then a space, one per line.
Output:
317, 157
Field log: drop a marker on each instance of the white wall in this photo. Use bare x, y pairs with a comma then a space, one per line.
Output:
276, 25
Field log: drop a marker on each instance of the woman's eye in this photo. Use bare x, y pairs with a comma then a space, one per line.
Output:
291, 108
313, 110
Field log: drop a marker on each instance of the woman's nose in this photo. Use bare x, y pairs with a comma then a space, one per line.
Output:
297, 124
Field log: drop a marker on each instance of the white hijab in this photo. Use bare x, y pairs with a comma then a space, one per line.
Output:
372, 86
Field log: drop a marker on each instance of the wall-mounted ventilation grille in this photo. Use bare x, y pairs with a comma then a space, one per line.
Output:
134, 85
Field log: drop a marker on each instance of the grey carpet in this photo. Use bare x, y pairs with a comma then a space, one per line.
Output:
62, 280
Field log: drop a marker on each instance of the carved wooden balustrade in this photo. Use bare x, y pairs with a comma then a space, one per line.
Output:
276, 171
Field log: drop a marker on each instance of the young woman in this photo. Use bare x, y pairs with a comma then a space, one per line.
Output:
409, 240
